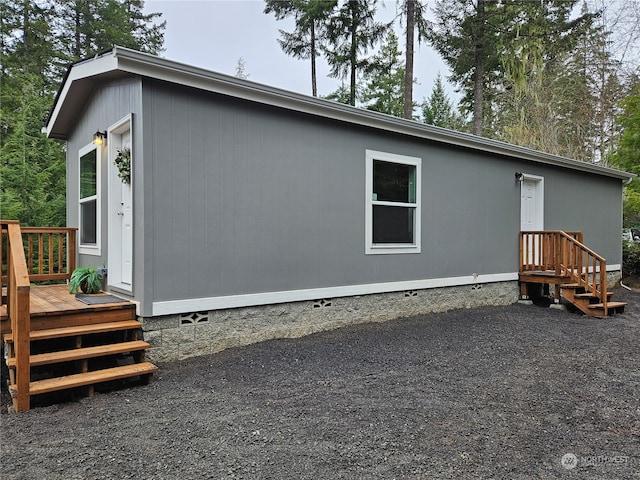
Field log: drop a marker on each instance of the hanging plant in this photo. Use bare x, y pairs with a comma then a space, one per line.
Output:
123, 162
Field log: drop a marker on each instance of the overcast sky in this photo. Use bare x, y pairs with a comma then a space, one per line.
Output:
214, 34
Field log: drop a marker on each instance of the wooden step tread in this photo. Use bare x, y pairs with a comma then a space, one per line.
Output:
82, 353
88, 378
79, 330
590, 295
609, 305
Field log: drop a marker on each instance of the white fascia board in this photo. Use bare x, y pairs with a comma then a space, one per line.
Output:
88, 68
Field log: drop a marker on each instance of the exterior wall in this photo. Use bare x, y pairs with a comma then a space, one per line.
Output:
243, 199
108, 104
588, 203
175, 337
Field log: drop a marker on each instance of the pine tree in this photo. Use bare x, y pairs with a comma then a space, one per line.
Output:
39, 39
98, 26
351, 32
465, 34
415, 16
384, 91
32, 167
439, 111
310, 17
494, 46
561, 91
241, 69
627, 155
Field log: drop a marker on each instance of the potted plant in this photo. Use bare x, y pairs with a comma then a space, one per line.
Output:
87, 279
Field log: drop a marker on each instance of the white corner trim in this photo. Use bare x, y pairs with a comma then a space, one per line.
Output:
173, 307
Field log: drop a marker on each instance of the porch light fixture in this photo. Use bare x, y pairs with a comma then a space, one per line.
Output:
99, 137
519, 176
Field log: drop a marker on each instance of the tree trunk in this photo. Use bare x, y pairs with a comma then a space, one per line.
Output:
314, 86
353, 60
478, 79
408, 64
76, 38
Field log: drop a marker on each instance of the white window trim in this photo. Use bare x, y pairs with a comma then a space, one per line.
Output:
392, 248
90, 249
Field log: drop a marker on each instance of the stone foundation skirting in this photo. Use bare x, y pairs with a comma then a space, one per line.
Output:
175, 337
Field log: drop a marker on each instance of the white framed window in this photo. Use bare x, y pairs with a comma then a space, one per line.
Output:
89, 199
392, 216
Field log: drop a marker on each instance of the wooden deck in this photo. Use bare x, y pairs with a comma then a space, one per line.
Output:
579, 274
55, 300
52, 341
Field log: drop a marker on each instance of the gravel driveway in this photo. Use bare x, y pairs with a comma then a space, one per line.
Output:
516, 392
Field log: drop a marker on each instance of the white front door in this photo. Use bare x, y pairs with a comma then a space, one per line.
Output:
532, 214
120, 259
531, 203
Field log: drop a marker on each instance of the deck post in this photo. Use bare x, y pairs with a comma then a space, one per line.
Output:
18, 291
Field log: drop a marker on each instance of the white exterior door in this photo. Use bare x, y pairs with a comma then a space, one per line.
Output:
531, 203
120, 260
532, 214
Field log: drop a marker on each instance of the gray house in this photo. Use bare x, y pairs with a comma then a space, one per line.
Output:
252, 213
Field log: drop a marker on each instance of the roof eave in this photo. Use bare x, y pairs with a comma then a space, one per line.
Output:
146, 65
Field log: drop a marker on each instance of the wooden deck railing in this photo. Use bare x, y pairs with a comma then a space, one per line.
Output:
50, 253
18, 309
539, 250
565, 255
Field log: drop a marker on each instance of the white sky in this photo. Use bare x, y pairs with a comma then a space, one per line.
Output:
214, 34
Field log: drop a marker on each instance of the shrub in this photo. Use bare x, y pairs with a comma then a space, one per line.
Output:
631, 259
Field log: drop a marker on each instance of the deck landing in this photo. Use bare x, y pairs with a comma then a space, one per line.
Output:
54, 301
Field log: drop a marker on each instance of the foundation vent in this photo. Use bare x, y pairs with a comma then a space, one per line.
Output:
194, 318
322, 303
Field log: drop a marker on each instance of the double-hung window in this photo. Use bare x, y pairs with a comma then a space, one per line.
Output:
392, 218
89, 196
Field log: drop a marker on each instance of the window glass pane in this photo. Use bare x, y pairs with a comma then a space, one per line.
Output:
393, 224
88, 175
394, 182
88, 223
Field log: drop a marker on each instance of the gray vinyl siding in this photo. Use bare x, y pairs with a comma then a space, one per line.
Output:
108, 104
245, 198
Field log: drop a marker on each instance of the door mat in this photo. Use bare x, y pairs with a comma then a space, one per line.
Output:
98, 299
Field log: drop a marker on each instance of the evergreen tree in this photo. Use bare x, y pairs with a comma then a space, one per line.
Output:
304, 41
341, 95
561, 91
384, 91
439, 111
94, 27
38, 39
627, 155
241, 69
492, 46
32, 168
351, 32
415, 15
465, 34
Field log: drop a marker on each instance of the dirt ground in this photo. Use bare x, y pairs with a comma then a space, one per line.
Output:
518, 392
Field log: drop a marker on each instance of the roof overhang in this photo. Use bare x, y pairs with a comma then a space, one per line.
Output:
82, 77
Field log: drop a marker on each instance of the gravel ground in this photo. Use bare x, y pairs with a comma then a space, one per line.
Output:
506, 393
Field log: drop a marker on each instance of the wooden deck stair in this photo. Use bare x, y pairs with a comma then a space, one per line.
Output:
578, 274
77, 347
53, 342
